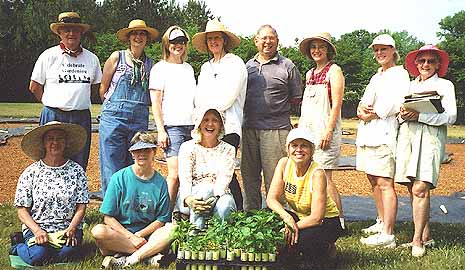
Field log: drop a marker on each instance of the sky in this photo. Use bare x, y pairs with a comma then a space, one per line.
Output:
302, 18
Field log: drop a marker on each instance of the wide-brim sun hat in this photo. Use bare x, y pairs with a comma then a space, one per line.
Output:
69, 19
411, 66
135, 25
323, 36
32, 143
199, 40
198, 115
300, 133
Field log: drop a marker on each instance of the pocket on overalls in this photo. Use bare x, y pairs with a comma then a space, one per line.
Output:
109, 108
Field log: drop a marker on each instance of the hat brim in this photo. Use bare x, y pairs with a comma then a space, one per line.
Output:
33, 146
412, 67
199, 113
55, 26
142, 145
199, 41
305, 44
123, 33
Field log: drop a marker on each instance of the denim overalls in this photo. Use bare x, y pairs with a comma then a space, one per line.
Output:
123, 114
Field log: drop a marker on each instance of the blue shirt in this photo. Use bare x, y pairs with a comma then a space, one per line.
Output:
135, 202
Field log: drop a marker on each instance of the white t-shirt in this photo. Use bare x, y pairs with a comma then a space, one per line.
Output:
67, 80
385, 92
177, 82
223, 85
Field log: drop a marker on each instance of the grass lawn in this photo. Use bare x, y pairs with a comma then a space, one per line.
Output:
448, 253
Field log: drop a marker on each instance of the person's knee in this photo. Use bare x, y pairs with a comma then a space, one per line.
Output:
68, 253
420, 190
99, 231
38, 255
224, 206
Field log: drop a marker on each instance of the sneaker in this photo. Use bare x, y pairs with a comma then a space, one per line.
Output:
418, 251
428, 244
375, 228
155, 260
112, 263
379, 240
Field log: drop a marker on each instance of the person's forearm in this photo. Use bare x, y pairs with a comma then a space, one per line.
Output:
309, 221
115, 225
149, 229
78, 216
26, 219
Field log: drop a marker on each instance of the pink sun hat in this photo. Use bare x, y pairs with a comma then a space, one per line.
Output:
411, 66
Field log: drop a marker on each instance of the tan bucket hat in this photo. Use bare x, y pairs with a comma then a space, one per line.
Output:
69, 18
134, 25
32, 143
324, 36
199, 40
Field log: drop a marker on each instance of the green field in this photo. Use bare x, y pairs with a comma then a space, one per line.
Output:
448, 253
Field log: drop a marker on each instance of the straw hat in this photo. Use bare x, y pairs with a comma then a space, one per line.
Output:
134, 25
199, 113
33, 145
324, 36
69, 19
443, 61
199, 40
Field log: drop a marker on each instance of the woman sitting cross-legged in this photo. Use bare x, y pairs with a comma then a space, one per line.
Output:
136, 210
206, 166
312, 223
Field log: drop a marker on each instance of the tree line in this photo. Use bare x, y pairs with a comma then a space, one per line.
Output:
25, 33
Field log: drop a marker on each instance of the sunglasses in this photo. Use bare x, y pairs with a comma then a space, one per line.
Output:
421, 61
180, 41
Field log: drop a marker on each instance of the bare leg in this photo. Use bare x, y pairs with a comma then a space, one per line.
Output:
110, 241
333, 192
389, 203
421, 208
158, 241
172, 179
376, 196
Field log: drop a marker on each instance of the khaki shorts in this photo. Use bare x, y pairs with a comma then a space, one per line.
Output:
376, 160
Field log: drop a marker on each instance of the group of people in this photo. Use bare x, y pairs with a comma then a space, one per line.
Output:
200, 126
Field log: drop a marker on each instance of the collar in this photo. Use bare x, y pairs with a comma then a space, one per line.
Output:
274, 59
69, 52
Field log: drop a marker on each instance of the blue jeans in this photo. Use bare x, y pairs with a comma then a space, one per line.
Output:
80, 117
124, 114
223, 207
177, 135
42, 254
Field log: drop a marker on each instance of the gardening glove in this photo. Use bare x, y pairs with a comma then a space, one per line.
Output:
55, 240
198, 205
212, 201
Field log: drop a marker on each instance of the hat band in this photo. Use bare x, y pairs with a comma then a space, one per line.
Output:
70, 20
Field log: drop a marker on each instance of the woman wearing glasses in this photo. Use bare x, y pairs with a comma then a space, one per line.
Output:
222, 84
124, 92
172, 89
376, 137
422, 138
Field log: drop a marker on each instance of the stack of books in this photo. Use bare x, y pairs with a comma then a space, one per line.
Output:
425, 102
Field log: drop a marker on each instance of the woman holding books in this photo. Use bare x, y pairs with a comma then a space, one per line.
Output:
422, 137
376, 137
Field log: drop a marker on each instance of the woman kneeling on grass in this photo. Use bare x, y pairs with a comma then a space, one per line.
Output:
312, 224
51, 195
136, 210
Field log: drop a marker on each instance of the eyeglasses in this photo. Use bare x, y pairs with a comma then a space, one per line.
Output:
430, 61
138, 33
320, 48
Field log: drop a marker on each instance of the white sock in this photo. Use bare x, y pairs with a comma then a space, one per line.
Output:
131, 260
343, 225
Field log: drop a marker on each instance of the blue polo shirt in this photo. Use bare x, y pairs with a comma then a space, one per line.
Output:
270, 86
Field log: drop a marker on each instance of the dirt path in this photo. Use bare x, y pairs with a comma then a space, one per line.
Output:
349, 182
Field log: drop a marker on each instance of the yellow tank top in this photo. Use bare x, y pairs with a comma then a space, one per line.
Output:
298, 191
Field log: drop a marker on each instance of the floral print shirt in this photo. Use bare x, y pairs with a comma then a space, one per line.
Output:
51, 193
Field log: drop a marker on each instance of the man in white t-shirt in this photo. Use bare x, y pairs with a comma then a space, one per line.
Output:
63, 77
